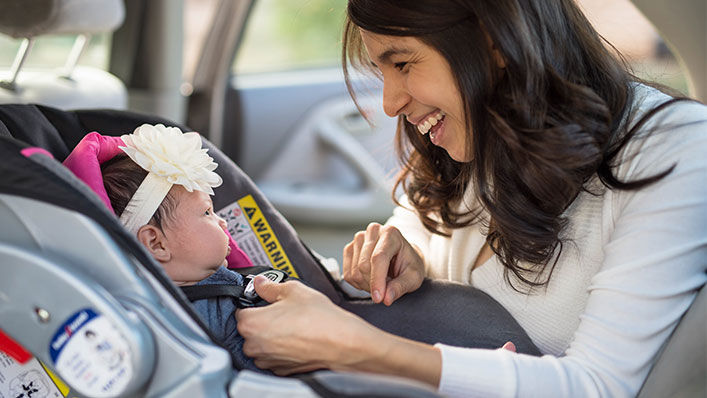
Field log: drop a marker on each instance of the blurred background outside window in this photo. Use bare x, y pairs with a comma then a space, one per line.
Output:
52, 51
286, 35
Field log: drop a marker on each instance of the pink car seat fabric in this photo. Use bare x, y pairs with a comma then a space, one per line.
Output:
86, 159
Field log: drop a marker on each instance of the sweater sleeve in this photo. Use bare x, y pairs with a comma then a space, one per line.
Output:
654, 263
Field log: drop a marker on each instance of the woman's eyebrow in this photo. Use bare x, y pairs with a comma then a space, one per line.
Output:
385, 56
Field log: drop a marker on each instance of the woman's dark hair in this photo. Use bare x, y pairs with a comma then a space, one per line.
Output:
121, 178
542, 127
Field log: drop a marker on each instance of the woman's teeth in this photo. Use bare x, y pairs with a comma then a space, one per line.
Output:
425, 126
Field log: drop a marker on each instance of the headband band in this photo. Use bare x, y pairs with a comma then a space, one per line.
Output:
145, 202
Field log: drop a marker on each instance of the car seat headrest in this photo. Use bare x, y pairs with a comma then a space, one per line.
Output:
24, 19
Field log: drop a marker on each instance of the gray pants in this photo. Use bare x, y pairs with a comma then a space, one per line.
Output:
449, 313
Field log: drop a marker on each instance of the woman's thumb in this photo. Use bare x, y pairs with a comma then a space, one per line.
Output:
266, 289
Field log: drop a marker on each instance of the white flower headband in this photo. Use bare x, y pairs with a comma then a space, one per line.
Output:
170, 157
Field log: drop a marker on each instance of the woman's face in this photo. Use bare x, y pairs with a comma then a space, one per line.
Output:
418, 83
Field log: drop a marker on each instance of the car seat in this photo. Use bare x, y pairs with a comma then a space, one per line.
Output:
69, 86
67, 262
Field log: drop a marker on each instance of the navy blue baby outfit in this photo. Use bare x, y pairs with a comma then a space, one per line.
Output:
219, 315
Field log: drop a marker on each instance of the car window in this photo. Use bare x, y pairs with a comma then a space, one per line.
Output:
284, 35
53, 50
623, 25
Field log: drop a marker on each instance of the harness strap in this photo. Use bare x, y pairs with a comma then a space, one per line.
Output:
200, 292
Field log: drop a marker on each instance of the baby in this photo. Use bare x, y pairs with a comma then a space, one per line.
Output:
158, 181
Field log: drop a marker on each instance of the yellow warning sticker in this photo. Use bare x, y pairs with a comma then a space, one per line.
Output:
266, 236
63, 388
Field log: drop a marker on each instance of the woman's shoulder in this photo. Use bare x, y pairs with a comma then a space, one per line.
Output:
669, 132
669, 108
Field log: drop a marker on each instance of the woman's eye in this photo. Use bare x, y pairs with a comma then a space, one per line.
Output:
400, 65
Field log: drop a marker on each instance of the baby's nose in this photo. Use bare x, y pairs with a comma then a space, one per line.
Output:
222, 222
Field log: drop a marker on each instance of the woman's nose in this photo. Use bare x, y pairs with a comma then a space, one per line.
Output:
395, 96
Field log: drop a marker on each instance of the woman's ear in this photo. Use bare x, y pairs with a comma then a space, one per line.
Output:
495, 52
154, 240
500, 60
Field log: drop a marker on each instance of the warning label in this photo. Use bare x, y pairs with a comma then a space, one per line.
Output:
251, 231
28, 380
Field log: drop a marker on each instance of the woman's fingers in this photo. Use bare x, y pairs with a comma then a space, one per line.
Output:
387, 248
357, 258
352, 273
382, 262
397, 267
509, 346
364, 265
284, 367
409, 280
267, 289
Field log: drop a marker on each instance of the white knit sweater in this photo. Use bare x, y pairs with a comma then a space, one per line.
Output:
618, 290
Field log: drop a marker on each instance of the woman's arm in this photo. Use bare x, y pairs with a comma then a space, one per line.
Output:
302, 331
654, 261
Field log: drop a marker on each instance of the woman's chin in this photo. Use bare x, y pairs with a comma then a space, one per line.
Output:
459, 157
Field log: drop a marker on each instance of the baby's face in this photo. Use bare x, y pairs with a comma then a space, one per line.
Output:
195, 237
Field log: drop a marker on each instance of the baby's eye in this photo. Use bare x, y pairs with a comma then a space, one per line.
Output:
207, 212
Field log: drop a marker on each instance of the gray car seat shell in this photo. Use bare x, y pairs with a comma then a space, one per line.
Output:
58, 227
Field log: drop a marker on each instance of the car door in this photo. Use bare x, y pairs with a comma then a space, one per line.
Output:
290, 124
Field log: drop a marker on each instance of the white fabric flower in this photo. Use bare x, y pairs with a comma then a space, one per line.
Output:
173, 155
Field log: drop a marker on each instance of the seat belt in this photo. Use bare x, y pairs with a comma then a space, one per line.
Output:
244, 296
200, 292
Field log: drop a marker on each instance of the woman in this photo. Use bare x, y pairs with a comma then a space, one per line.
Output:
535, 168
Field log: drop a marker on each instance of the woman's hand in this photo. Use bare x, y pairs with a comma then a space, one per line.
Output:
380, 260
302, 330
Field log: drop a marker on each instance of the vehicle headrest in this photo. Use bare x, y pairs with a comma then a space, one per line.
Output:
24, 19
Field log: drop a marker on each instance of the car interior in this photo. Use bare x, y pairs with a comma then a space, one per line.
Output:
66, 260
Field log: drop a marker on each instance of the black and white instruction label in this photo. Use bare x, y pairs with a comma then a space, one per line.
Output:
27, 380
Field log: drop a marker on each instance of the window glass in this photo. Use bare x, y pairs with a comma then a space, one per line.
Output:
197, 17
53, 51
285, 35
619, 22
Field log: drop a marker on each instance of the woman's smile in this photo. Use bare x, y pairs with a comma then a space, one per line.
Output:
437, 132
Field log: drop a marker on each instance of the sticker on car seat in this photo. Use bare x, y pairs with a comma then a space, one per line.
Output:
252, 232
91, 355
27, 380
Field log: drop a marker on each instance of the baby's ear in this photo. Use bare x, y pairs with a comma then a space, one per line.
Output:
153, 239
